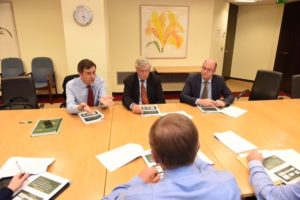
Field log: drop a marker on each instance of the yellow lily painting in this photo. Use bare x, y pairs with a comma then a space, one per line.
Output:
165, 29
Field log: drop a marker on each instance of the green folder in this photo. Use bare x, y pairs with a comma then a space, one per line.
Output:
41, 129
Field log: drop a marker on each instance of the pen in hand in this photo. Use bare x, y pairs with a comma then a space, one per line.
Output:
19, 167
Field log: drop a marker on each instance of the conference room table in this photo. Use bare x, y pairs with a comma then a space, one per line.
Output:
74, 148
272, 125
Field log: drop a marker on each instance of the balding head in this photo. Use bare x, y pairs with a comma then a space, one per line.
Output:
208, 69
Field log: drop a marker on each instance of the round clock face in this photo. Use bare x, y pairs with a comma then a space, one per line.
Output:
83, 15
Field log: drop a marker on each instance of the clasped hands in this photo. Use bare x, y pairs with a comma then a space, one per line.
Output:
210, 102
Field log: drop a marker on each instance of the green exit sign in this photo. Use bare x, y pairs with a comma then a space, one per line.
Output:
281, 1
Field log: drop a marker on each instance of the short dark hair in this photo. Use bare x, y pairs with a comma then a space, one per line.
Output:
174, 139
85, 64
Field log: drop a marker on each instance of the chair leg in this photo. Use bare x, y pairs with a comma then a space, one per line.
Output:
50, 94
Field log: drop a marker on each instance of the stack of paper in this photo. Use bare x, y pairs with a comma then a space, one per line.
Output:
234, 142
15, 165
118, 157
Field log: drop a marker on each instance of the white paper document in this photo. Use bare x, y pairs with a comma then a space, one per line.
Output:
281, 165
235, 142
150, 110
203, 157
178, 112
120, 156
233, 111
15, 165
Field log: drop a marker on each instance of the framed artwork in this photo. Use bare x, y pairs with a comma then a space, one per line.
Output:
164, 31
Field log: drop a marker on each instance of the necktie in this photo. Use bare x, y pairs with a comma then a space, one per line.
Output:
205, 91
90, 99
144, 93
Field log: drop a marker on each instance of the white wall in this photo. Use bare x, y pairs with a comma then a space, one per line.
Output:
40, 32
86, 41
219, 30
256, 40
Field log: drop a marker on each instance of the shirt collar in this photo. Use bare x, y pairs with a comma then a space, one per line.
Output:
181, 171
203, 81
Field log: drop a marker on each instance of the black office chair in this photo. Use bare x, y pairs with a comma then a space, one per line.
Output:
66, 80
295, 86
19, 93
43, 74
266, 86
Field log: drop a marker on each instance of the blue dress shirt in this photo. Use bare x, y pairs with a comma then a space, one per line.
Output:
197, 181
77, 93
264, 187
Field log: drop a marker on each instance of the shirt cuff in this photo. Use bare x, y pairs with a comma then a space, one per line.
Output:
255, 163
131, 105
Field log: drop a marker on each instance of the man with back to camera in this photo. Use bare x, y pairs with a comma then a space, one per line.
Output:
174, 143
264, 187
142, 79
87, 90
206, 88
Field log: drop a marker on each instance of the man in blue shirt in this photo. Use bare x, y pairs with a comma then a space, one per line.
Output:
264, 187
174, 145
88, 87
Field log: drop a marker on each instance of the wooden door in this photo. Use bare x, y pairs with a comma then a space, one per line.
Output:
288, 50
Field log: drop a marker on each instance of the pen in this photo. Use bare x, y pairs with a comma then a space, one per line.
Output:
19, 167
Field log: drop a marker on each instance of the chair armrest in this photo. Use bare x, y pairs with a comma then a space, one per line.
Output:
28, 74
51, 77
241, 94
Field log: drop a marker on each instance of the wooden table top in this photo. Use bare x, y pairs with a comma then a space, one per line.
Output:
267, 124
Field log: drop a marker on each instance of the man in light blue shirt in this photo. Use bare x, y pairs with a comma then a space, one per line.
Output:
174, 145
77, 90
264, 187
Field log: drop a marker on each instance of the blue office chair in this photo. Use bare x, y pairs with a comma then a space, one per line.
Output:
11, 67
43, 74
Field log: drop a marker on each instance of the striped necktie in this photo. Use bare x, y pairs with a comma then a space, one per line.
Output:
144, 96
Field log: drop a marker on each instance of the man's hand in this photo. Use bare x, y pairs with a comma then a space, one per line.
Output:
137, 109
219, 103
85, 107
254, 155
17, 181
149, 175
106, 101
205, 102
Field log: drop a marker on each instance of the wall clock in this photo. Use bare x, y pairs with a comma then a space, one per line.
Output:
83, 15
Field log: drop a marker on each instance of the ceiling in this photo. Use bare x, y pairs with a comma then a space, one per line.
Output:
259, 2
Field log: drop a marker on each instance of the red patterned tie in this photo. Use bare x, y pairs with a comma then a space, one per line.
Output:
90, 100
144, 93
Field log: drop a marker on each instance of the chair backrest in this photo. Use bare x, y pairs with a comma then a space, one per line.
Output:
19, 92
11, 67
66, 80
40, 68
295, 86
266, 85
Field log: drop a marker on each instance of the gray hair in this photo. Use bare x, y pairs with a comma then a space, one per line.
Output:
142, 61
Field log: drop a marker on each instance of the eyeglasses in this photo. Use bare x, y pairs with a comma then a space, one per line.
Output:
207, 69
